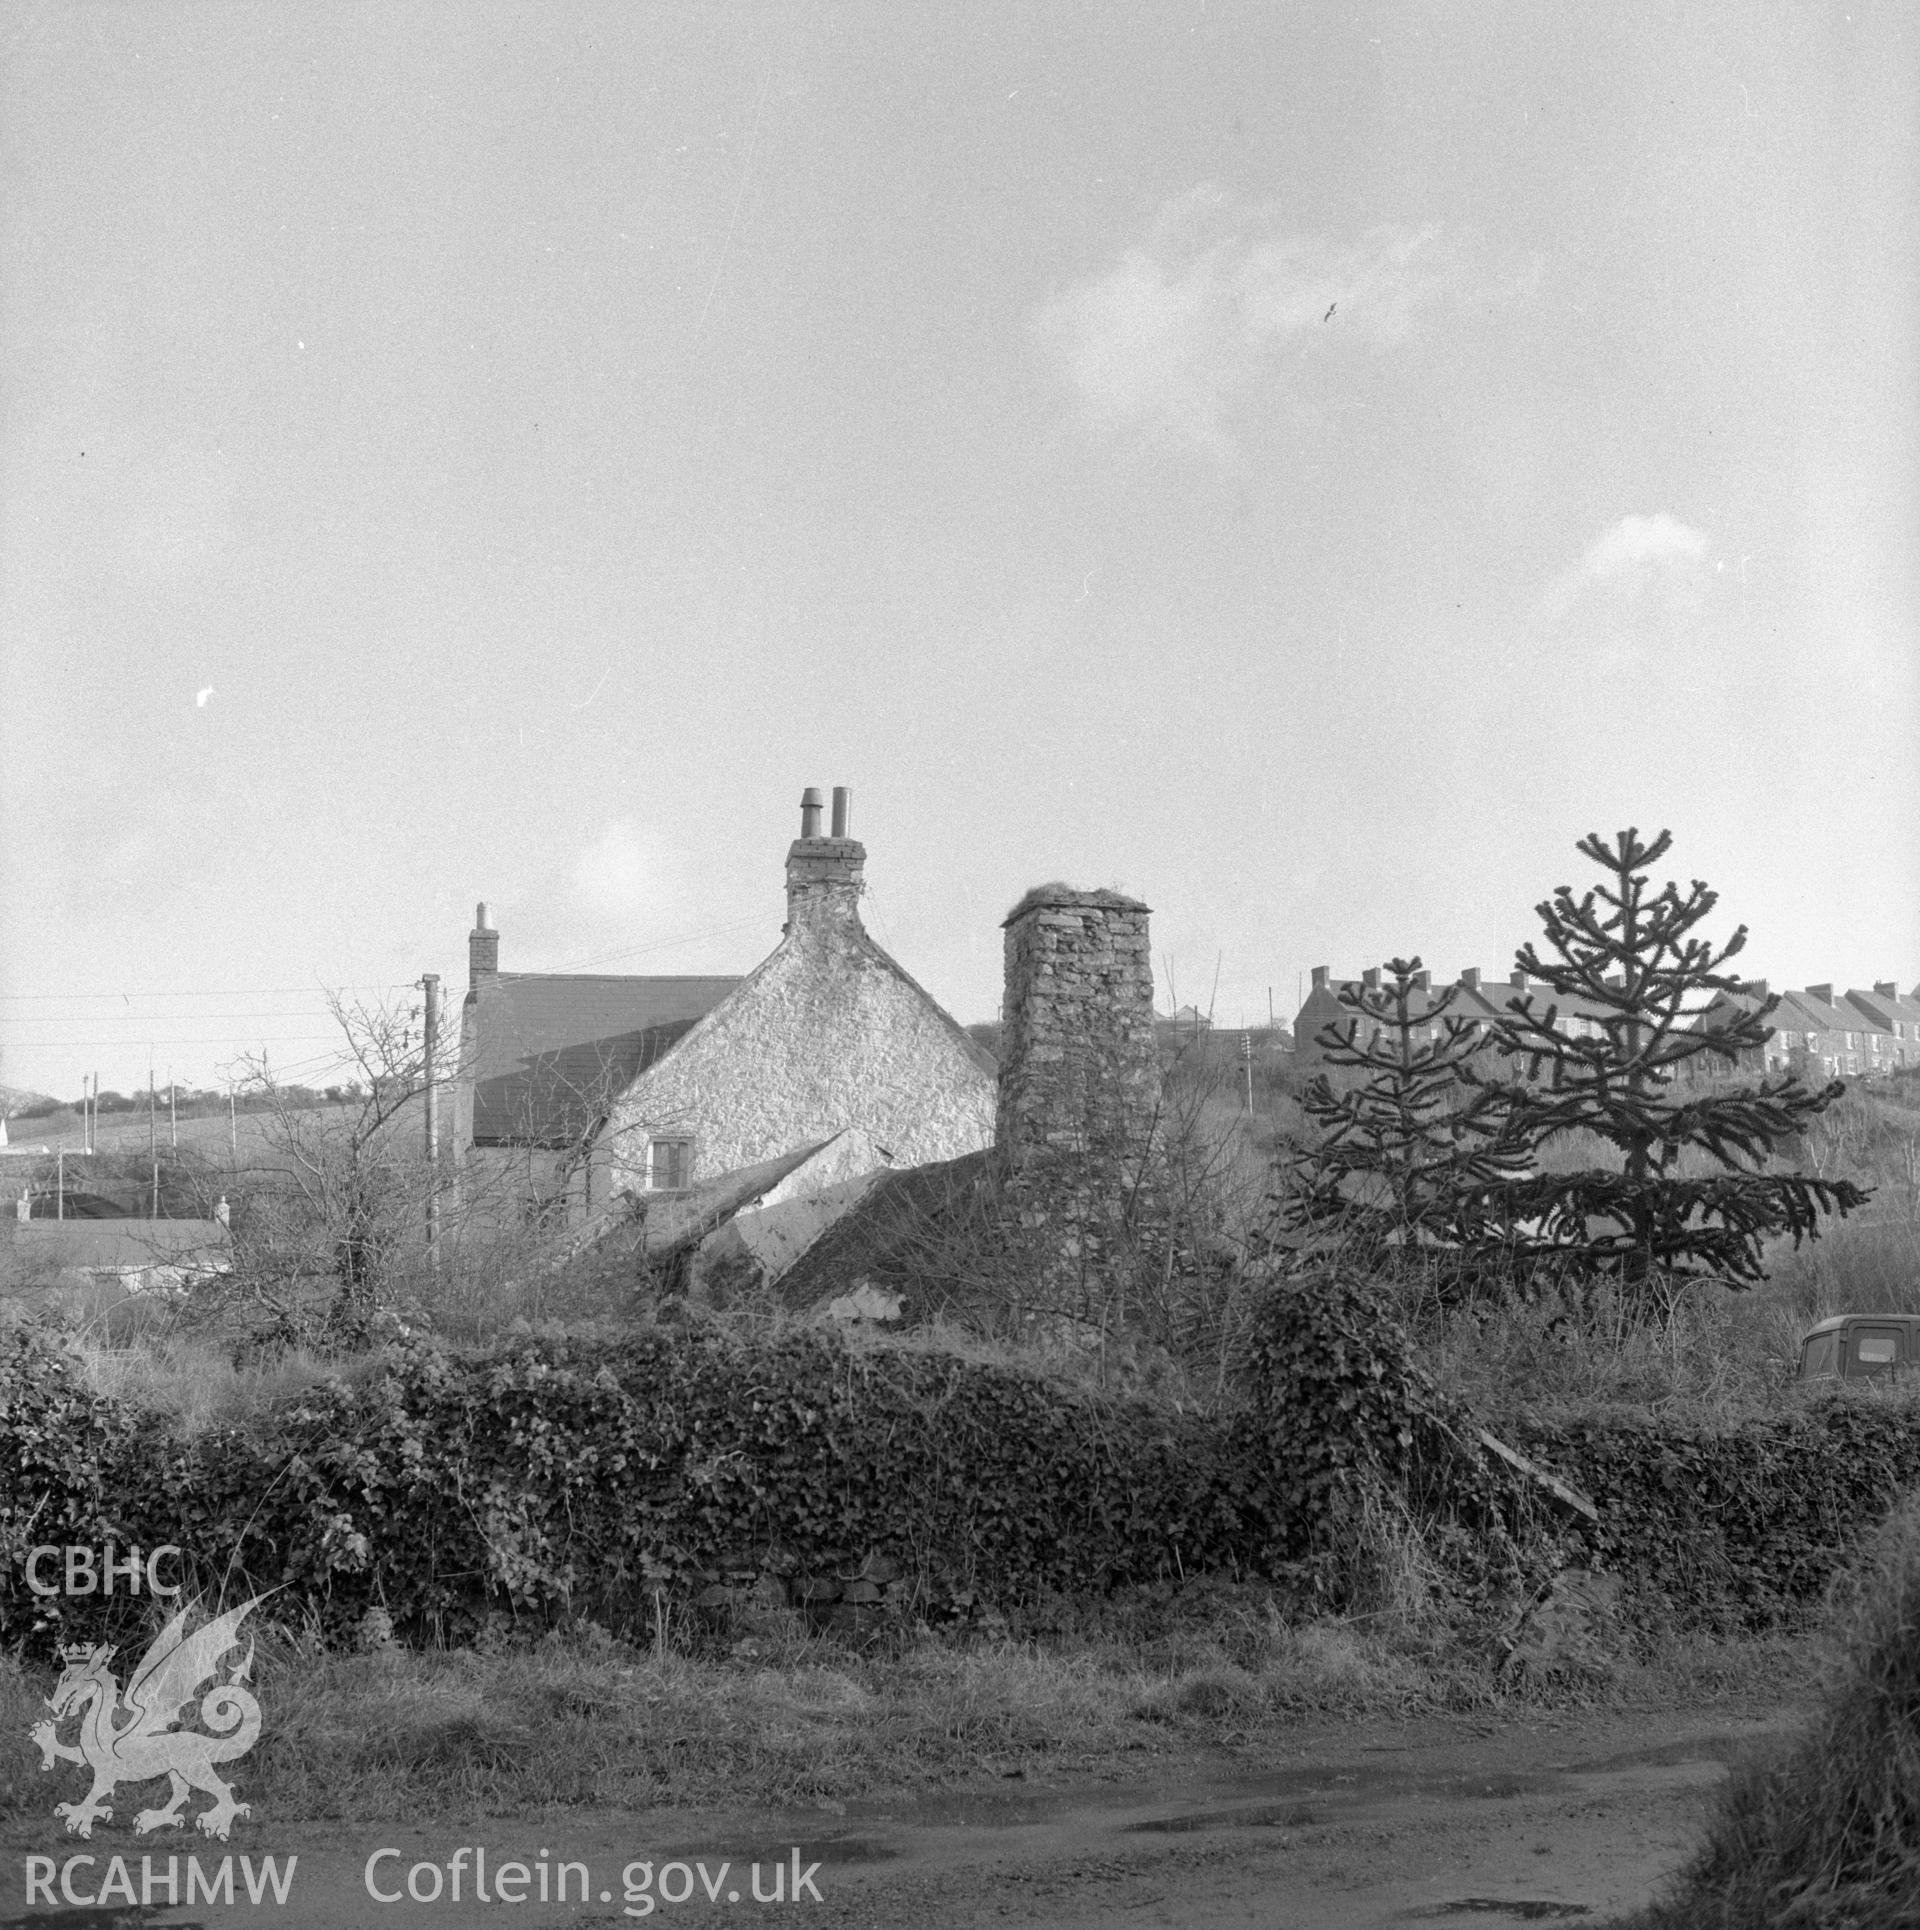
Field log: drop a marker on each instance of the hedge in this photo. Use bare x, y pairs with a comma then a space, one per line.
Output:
549, 1478
560, 1476
1739, 1527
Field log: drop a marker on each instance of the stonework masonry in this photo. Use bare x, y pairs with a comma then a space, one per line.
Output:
826, 1035
1079, 1087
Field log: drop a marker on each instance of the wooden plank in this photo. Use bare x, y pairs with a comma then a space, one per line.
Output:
1561, 1492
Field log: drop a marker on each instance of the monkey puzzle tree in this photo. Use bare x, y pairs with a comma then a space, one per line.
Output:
1630, 959
1411, 1158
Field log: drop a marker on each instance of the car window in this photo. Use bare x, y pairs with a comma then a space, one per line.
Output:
1820, 1353
1876, 1346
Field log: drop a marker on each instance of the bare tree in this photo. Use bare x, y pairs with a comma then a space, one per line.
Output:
338, 1206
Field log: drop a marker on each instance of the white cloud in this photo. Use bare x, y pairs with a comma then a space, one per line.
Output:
617, 875
1219, 296
1629, 558
1635, 543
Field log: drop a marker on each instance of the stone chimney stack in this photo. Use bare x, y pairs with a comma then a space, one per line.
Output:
1078, 1071
1470, 978
825, 876
483, 950
1079, 1085
1320, 977
1824, 993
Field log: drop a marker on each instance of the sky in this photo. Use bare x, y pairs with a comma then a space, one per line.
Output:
1305, 467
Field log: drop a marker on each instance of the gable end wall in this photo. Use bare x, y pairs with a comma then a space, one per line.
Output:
827, 1034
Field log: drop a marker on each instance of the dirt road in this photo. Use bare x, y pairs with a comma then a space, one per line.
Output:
1442, 1821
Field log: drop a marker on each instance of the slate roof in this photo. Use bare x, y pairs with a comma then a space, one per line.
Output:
1806, 1011
1882, 1008
684, 1218
551, 1050
663, 1226
1477, 1004
1323, 1004
887, 1233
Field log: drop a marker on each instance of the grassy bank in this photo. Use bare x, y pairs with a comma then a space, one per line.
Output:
788, 1720
1827, 1831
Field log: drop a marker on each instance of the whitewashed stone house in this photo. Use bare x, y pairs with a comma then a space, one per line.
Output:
660, 1085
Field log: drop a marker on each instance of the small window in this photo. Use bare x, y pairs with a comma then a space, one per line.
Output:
667, 1161
1819, 1357
1876, 1347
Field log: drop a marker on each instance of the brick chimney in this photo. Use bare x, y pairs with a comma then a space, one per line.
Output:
1824, 993
1885, 989
483, 950
1371, 978
1423, 981
825, 875
1470, 978
1320, 977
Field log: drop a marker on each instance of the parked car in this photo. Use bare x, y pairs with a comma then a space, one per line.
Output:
1857, 1346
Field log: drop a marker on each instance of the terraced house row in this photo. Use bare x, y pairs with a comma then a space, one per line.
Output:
1854, 1034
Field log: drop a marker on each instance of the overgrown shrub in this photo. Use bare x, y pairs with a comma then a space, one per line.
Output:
560, 1476
1356, 1432
1734, 1527
622, 1479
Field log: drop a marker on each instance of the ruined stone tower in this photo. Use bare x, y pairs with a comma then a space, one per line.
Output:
1079, 1085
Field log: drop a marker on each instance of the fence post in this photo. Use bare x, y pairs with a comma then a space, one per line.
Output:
431, 984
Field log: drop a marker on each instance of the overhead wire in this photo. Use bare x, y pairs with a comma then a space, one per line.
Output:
218, 992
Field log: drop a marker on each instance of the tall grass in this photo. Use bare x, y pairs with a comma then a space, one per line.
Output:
784, 1719
1827, 1832
1725, 1352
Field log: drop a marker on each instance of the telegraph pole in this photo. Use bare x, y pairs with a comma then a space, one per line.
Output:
173, 1117
153, 1133
430, 983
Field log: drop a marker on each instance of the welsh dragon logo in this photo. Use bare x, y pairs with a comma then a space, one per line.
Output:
143, 1743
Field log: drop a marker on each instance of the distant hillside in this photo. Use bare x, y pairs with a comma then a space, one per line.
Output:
13, 1098
127, 1132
